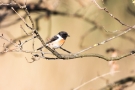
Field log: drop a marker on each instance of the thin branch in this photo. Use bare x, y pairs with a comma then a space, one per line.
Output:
25, 8
80, 56
19, 15
85, 34
37, 8
10, 41
25, 31
105, 9
94, 79
119, 82
36, 33
33, 45
26, 41
107, 40
77, 55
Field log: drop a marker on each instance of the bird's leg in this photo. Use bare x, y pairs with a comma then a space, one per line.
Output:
40, 48
65, 50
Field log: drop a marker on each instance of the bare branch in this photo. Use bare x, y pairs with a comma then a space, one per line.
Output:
120, 83
105, 9
107, 40
24, 30
77, 88
70, 56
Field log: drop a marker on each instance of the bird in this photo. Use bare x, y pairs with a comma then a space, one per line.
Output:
56, 41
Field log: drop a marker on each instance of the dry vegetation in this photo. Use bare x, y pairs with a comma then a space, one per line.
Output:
101, 43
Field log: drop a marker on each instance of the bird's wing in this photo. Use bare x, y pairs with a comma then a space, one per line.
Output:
52, 39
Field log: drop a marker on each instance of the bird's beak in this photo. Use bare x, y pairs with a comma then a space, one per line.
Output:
68, 36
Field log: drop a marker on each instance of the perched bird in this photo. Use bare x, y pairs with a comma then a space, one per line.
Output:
57, 41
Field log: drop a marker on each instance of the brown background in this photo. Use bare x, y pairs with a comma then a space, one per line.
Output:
17, 74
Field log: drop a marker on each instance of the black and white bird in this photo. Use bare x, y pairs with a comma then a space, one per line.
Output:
56, 41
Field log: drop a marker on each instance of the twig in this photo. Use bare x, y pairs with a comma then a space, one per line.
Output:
119, 82
85, 34
77, 55
49, 12
105, 9
29, 61
36, 32
24, 7
26, 41
33, 45
80, 56
93, 80
10, 41
25, 31
107, 40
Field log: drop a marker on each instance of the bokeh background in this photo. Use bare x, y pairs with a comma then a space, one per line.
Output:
17, 74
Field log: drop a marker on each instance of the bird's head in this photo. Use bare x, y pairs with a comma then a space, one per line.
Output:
63, 34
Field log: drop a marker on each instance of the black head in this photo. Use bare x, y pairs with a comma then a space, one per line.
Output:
63, 34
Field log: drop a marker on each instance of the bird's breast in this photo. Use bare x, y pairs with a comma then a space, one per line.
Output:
56, 44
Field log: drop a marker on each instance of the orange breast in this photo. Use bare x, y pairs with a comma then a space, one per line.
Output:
62, 41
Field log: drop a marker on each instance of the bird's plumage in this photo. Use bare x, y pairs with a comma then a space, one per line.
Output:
52, 39
56, 41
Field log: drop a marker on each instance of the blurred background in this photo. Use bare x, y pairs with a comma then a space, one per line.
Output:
87, 25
